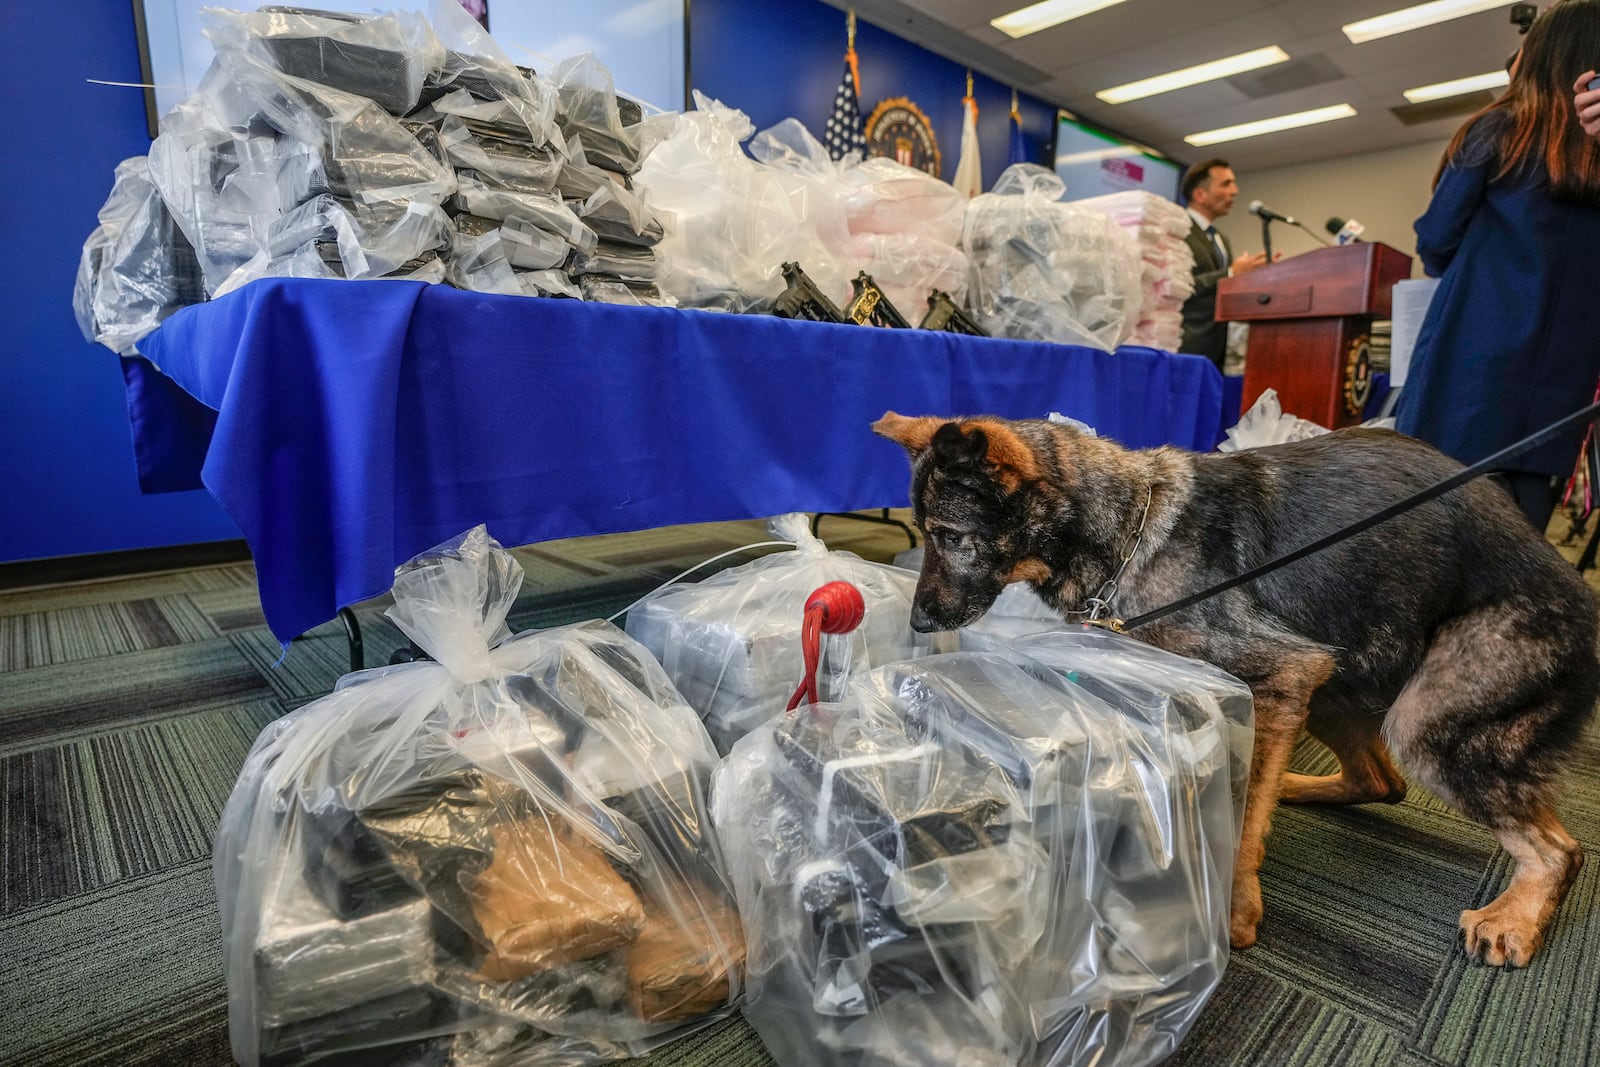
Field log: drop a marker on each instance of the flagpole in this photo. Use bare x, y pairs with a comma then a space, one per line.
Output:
969, 169
850, 48
1018, 151
844, 134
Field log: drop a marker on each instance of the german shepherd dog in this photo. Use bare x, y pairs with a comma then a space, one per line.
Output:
1451, 635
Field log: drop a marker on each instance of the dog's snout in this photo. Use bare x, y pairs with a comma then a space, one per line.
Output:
921, 621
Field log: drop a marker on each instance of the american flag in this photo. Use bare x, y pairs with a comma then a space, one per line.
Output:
844, 125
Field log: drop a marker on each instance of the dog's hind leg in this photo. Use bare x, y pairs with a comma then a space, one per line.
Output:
1282, 695
1485, 722
1366, 773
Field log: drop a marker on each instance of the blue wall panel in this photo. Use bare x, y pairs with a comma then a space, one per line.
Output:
775, 60
69, 485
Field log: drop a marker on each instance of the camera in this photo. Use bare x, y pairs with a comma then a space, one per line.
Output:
1522, 16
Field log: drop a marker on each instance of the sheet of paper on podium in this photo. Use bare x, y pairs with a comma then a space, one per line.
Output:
1410, 307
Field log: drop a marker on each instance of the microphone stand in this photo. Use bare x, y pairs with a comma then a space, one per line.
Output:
1314, 233
1266, 234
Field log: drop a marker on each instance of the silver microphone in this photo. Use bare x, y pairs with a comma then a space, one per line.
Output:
1263, 211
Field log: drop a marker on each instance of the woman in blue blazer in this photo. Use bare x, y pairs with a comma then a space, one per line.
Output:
1511, 341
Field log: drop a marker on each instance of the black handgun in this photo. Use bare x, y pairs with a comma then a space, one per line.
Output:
945, 314
803, 300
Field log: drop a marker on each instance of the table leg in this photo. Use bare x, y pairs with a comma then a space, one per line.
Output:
883, 519
352, 632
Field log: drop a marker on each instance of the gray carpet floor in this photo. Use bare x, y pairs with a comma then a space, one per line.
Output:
126, 709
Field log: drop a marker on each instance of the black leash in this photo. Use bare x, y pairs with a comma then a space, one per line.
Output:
1455, 481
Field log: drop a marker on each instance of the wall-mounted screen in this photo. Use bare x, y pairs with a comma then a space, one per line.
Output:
1093, 163
642, 41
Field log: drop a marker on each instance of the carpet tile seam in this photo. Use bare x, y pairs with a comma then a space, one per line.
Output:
1328, 1005
62, 905
54, 637
190, 650
225, 704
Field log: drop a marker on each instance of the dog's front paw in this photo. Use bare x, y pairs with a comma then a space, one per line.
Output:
1501, 935
1246, 912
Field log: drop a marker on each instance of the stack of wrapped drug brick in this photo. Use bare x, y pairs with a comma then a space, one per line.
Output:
328, 145
1166, 266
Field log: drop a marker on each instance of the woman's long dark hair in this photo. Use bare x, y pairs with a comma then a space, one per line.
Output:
1541, 126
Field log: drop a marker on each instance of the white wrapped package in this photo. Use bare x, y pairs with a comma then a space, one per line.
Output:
1149, 215
598, 288
136, 268
580, 179
731, 644
502, 93
736, 222
541, 211
907, 267
385, 58
252, 144
620, 216
497, 156
1043, 270
224, 183
547, 283
588, 108
309, 963
1157, 690
789, 149
311, 262
505, 849
972, 859
365, 154
888, 197
324, 238
523, 245
627, 263
906, 228
1159, 329
799, 164
615, 210
480, 259
1266, 423
1159, 229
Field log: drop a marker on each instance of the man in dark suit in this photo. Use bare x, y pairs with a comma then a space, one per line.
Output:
1209, 189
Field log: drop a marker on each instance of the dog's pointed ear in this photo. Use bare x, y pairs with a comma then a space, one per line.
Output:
1014, 461
913, 434
957, 445
988, 442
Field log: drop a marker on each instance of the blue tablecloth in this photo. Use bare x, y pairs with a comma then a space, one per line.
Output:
357, 424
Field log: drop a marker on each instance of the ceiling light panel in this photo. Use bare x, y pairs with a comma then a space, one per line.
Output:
1414, 18
1226, 67
1042, 16
1495, 79
1272, 125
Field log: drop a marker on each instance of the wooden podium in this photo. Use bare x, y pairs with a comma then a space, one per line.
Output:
1310, 325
